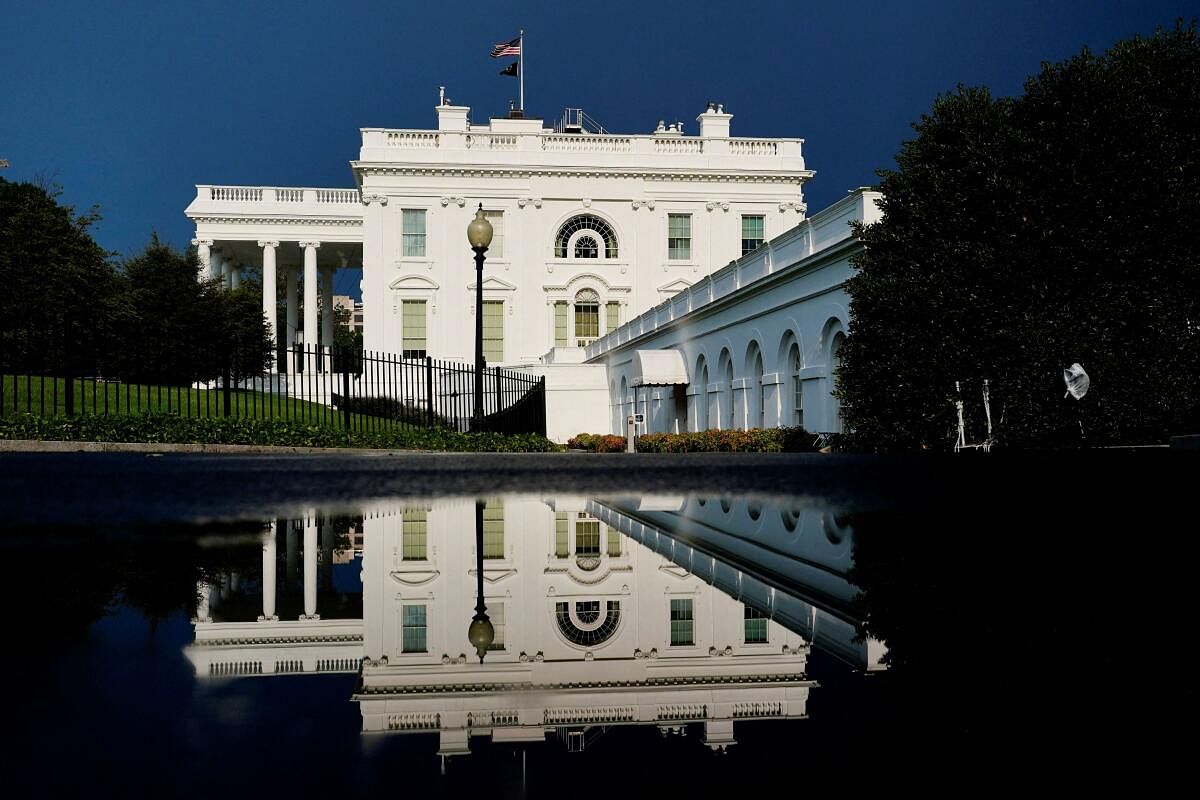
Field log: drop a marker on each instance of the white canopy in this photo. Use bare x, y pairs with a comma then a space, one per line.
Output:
658, 368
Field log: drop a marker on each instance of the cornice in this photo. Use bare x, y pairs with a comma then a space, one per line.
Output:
341, 638
348, 222
481, 171
794, 679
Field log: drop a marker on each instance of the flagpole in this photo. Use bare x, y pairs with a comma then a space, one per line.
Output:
521, 68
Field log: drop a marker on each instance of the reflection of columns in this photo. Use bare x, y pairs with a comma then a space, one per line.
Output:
235, 275
293, 550
293, 307
268, 575
327, 307
203, 614
204, 254
268, 287
310, 564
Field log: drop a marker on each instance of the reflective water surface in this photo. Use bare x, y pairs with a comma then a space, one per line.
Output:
678, 641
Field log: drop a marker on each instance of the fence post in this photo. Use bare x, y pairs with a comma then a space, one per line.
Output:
429, 388
501, 423
345, 365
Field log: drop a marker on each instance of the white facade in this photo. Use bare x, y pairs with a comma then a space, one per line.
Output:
604, 615
759, 337
605, 225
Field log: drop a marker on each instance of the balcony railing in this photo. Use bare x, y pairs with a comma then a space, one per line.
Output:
279, 194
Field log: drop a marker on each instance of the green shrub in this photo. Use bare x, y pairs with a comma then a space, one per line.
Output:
755, 440
160, 428
391, 408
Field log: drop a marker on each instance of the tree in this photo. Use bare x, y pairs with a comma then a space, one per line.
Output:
61, 291
1020, 235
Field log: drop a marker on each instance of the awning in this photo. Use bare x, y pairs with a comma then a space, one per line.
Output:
658, 368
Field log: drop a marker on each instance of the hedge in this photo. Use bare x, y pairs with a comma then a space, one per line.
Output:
172, 429
755, 440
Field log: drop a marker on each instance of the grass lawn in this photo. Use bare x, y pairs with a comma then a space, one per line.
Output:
46, 397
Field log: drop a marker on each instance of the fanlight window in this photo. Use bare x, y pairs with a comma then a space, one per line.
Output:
587, 627
594, 225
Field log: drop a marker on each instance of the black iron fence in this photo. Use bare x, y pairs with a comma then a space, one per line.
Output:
338, 387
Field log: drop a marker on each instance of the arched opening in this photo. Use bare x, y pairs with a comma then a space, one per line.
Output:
700, 423
835, 364
756, 396
598, 239
795, 393
586, 247
725, 411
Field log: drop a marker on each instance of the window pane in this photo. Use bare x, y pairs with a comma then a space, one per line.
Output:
679, 236
560, 324
586, 247
493, 529
587, 320
613, 311
561, 530
496, 248
413, 228
414, 527
614, 543
493, 331
412, 326
756, 626
496, 615
682, 623
752, 233
413, 630
587, 536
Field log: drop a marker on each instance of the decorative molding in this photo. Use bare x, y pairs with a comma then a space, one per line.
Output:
525, 658
368, 199
682, 175
642, 204
272, 618
266, 243
584, 276
205, 242
493, 284
414, 577
313, 245
714, 651
725, 679
327, 221
461, 658
414, 282
309, 617
587, 202
458, 201
794, 205
536, 202
715, 204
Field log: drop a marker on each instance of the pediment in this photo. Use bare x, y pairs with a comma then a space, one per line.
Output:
414, 577
414, 282
674, 286
675, 571
493, 284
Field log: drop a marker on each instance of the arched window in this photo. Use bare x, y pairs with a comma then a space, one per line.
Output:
598, 231
586, 247
583, 624
587, 317
701, 394
795, 387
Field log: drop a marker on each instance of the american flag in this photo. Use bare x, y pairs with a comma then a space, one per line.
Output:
503, 49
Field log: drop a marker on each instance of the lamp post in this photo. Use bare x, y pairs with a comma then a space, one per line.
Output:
480, 634
479, 234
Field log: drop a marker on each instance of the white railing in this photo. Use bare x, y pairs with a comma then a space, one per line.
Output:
492, 141
586, 143
671, 146
239, 193
753, 147
412, 139
337, 195
289, 195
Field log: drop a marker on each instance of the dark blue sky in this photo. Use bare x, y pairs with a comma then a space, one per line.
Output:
130, 104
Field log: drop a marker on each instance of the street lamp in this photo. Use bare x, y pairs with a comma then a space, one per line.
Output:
479, 234
480, 634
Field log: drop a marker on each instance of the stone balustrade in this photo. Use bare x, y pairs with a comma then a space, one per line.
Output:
278, 195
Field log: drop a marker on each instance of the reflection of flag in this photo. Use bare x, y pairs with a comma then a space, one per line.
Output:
511, 69
503, 49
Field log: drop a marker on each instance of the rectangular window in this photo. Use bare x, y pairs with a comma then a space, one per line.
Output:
496, 615
682, 624
560, 324
756, 626
493, 331
412, 327
587, 536
587, 323
413, 638
614, 543
496, 248
613, 321
561, 529
752, 232
493, 529
414, 529
679, 237
412, 228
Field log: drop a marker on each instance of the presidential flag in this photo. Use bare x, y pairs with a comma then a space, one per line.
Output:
511, 69
503, 49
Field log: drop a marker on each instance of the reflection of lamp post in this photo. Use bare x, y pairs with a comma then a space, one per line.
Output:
481, 634
479, 234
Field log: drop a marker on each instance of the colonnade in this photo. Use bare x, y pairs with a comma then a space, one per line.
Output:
217, 264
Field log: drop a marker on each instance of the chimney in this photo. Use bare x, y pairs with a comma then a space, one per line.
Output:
714, 122
452, 118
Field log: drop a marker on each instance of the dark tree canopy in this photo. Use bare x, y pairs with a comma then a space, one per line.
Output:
1020, 235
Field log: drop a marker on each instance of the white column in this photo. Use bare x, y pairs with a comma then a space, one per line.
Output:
310, 566
268, 576
310, 294
224, 269
235, 275
293, 551
204, 254
268, 279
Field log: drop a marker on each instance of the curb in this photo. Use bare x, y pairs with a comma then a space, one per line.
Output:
40, 446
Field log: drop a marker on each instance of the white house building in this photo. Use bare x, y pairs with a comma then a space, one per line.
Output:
591, 228
604, 614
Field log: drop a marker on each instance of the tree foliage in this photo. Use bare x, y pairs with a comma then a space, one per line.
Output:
1020, 235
